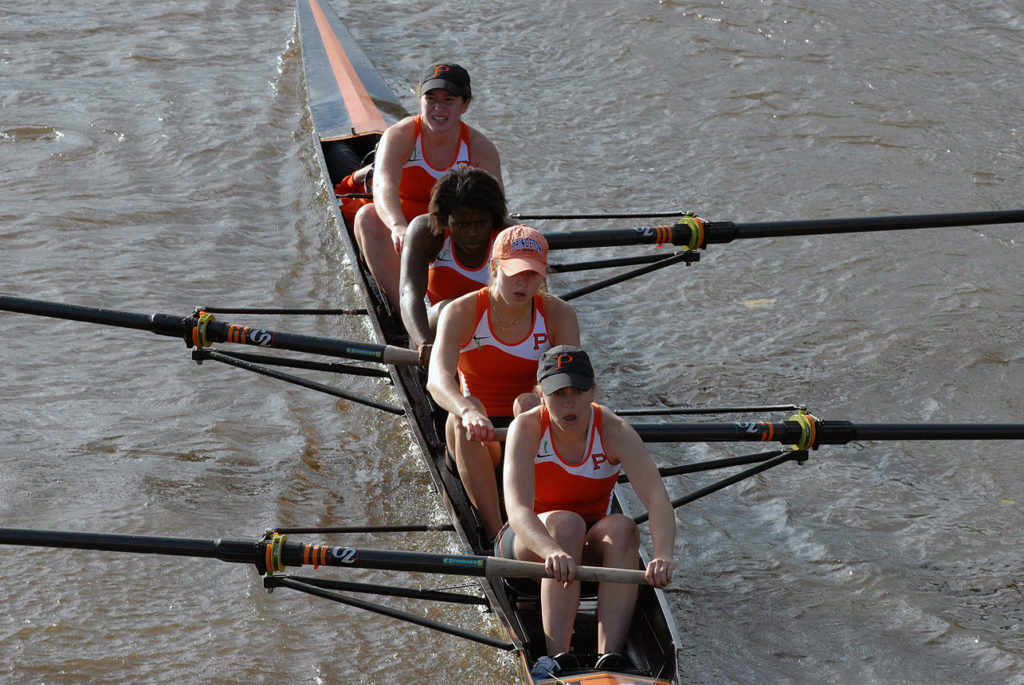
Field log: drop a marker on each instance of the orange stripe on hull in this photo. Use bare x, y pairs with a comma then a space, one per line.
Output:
366, 118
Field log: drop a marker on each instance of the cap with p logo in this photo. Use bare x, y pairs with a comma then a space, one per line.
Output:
565, 366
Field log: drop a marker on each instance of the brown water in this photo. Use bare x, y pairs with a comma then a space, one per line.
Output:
159, 157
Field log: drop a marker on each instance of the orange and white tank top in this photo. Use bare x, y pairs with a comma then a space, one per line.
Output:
419, 176
447, 278
585, 488
496, 372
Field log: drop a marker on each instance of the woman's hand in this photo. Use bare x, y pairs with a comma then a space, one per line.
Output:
659, 571
476, 424
424, 353
561, 566
398, 237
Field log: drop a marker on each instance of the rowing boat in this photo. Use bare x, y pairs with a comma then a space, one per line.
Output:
351, 106
342, 143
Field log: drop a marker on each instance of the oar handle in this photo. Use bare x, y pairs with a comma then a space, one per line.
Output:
513, 568
400, 355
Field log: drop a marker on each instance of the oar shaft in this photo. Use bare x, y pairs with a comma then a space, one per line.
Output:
616, 237
724, 232
826, 432
761, 431
239, 551
213, 331
727, 231
160, 324
245, 335
840, 432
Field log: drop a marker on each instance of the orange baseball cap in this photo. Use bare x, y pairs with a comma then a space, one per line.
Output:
521, 248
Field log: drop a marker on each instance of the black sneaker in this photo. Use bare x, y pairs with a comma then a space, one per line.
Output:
567, 662
613, 661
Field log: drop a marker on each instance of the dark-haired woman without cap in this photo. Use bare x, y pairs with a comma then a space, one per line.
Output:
447, 252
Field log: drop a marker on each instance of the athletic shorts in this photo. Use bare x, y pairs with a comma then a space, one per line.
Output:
505, 541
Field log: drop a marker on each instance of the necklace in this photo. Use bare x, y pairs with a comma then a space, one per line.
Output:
507, 326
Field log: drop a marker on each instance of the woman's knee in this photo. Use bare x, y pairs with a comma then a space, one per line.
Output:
525, 402
365, 222
565, 526
619, 530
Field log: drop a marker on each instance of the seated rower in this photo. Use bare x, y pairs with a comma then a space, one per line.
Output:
492, 339
355, 190
447, 252
411, 156
562, 460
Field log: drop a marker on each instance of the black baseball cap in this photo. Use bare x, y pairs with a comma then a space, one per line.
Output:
565, 366
451, 77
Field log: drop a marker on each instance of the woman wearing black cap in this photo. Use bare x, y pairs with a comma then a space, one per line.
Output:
562, 460
411, 156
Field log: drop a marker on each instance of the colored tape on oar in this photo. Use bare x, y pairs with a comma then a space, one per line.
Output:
199, 330
696, 226
274, 550
316, 555
808, 431
669, 234
663, 234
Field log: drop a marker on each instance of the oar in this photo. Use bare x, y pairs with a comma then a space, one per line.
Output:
808, 432
698, 234
200, 329
276, 553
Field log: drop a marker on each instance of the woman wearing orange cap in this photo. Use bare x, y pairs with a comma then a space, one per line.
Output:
411, 156
485, 358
